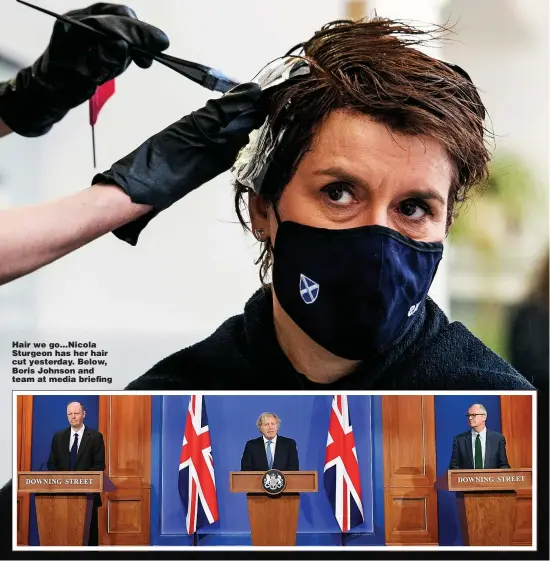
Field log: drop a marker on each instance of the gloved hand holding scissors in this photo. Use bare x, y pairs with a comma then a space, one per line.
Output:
74, 64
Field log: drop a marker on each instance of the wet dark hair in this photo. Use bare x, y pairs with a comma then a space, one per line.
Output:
369, 67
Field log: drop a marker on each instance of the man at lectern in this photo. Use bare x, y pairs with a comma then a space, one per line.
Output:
79, 448
270, 451
479, 448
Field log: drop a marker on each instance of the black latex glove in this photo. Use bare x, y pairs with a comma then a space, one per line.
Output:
186, 154
74, 64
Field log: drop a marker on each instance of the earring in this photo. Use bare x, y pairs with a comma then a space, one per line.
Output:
259, 234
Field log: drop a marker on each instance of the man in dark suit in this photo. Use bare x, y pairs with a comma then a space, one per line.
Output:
479, 448
79, 448
270, 451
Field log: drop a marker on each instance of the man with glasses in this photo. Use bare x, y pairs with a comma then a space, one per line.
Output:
479, 448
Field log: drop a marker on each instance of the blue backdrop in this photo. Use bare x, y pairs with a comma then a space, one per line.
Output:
49, 416
232, 421
450, 420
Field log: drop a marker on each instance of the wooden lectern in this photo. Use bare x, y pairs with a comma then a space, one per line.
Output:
486, 500
273, 519
63, 503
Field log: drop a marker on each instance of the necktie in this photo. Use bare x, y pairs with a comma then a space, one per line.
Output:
73, 452
478, 456
269, 455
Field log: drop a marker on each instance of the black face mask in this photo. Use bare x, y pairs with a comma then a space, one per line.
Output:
353, 291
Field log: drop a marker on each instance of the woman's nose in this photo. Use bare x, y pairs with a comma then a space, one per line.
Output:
375, 213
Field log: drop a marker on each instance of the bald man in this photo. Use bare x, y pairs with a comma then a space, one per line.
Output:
79, 448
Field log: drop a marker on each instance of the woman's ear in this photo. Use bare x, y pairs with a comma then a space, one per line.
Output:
259, 220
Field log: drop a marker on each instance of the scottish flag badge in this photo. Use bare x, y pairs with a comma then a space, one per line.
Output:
309, 289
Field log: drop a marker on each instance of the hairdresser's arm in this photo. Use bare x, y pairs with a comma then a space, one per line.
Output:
34, 236
4, 129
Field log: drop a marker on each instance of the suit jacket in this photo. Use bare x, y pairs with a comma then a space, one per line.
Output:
255, 457
90, 457
495, 451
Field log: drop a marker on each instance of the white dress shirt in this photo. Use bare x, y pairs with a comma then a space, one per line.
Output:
273, 445
483, 438
80, 432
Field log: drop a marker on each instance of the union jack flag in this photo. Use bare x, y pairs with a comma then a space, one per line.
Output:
341, 473
197, 484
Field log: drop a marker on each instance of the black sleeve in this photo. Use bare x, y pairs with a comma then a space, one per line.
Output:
176, 373
246, 460
158, 379
168, 373
453, 463
293, 462
528, 343
98, 454
216, 363
502, 456
52, 461
6, 503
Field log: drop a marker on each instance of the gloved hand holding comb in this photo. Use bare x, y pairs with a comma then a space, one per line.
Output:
74, 64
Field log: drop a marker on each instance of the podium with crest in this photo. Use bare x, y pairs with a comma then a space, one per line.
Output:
273, 502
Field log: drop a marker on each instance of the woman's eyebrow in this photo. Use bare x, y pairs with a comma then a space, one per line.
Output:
341, 174
424, 194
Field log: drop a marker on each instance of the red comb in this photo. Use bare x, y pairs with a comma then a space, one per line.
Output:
97, 101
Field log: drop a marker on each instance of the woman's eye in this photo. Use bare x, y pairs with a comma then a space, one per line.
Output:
339, 193
414, 209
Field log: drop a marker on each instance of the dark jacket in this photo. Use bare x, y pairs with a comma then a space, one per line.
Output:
495, 451
255, 457
528, 343
243, 354
91, 454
